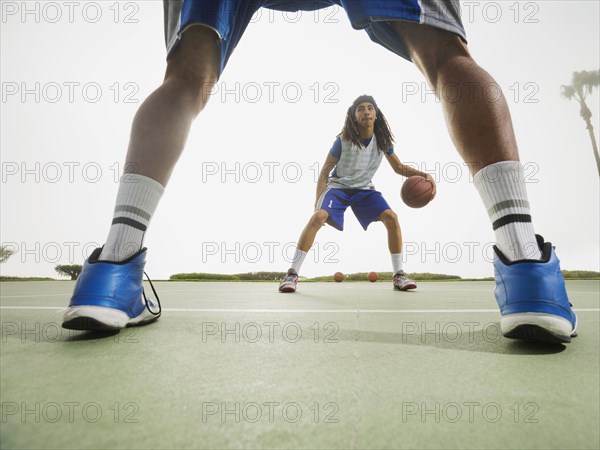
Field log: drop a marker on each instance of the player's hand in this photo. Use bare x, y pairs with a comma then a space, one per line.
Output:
430, 178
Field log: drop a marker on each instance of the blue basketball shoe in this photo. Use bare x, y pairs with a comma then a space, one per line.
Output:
533, 299
109, 295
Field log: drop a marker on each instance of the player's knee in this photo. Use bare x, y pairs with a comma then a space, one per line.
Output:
193, 86
449, 54
443, 65
389, 218
319, 218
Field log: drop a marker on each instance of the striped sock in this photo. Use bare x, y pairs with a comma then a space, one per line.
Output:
396, 262
502, 189
137, 200
298, 260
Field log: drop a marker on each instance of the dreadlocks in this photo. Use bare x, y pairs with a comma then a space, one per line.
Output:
383, 134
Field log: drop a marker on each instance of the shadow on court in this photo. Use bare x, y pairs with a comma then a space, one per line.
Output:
476, 342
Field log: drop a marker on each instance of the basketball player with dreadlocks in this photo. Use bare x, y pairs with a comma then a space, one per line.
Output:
354, 158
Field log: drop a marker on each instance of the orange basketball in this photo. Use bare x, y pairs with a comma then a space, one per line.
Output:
417, 191
372, 277
339, 277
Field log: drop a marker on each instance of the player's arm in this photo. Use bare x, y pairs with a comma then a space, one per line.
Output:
330, 163
407, 171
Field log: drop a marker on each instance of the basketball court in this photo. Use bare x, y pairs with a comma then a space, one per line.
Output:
336, 365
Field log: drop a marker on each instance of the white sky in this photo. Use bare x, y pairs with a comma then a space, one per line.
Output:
61, 156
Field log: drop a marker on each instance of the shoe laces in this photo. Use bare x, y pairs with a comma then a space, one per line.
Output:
291, 276
155, 295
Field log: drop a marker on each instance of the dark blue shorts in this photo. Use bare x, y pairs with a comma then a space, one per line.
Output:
366, 205
229, 18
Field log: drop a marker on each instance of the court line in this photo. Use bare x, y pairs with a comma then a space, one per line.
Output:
66, 295
324, 311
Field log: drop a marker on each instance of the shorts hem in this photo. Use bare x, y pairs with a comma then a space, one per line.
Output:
334, 224
381, 33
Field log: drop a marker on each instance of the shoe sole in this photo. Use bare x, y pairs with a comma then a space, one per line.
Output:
405, 288
287, 289
98, 318
537, 327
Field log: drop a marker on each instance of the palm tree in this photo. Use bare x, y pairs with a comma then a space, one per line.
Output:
5, 253
581, 86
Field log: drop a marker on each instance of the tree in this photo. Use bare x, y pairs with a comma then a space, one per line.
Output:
5, 253
69, 270
581, 86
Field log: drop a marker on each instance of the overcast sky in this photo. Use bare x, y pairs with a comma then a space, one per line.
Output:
74, 73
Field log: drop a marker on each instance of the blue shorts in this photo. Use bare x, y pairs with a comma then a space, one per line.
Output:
229, 18
366, 205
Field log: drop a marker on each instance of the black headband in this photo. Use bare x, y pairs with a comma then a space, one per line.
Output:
362, 99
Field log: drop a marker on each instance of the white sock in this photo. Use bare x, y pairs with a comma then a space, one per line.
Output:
298, 260
137, 200
396, 261
502, 189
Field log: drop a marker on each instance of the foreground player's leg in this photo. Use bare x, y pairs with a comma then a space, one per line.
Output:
109, 293
400, 281
158, 135
481, 128
530, 288
307, 238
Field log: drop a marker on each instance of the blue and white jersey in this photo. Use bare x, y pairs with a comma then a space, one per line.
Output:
356, 166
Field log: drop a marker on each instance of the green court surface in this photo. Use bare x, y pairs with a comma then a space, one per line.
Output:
350, 365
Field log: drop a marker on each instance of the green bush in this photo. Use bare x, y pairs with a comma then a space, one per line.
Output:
203, 276
580, 274
362, 276
250, 276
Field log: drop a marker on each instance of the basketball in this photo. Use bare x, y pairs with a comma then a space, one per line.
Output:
338, 277
372, 277
417, 191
